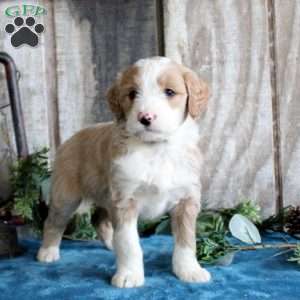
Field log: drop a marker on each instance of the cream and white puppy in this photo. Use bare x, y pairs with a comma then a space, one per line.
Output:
143, 165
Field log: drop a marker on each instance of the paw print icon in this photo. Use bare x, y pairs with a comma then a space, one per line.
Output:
24, 32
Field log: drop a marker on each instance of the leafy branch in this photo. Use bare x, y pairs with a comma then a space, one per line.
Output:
27, 176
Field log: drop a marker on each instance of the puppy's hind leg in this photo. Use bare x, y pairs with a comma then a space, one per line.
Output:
103, 226
62, 207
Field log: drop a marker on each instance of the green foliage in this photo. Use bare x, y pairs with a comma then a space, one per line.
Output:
81, 228
27, 176
210, 222
212, 247
246, 208
211, 238
296, 255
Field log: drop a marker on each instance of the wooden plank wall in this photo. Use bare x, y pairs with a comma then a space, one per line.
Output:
226, 42
64, 80
287, 30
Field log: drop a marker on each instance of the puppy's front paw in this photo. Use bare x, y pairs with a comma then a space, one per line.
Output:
48, 255
186, 266
127, 279
192, 274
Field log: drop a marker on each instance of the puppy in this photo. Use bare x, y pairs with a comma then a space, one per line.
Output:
143, 165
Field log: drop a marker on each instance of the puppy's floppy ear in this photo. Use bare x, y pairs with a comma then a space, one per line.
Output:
113, 97
198, 93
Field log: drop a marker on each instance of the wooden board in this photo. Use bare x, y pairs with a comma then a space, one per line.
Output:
226, 43
93, 43
287, 18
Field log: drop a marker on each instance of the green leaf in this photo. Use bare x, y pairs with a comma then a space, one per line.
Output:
208, 222
82, 228
212, 248
23, 210
244, 230
27, 175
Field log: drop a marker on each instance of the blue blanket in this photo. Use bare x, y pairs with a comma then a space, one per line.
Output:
85, 269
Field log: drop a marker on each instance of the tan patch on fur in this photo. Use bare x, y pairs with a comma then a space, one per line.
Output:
130, 77
80, 169
118, 142
198, 92
117, 95
172, 79
185, 82
184, 217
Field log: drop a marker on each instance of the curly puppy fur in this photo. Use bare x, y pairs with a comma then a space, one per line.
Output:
142, 165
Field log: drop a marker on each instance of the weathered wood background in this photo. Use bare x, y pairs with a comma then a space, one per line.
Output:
288, 64
63, 81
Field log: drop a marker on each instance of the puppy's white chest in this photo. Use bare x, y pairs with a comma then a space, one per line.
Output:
157, 178
158, 168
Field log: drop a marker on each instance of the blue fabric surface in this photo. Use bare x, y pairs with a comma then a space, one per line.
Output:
85, 269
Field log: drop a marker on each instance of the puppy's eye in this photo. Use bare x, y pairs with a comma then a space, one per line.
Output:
132, 94
169, 93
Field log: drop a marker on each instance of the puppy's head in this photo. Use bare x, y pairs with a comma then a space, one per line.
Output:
154, 96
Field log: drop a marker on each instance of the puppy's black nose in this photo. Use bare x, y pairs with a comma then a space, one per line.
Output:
145, 121
146, 118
